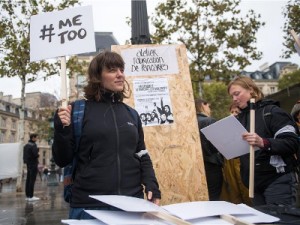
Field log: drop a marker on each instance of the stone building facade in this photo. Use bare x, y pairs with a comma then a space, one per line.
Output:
267, 78
10, 120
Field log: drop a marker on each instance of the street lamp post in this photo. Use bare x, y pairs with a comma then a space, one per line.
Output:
52, 178
139, 23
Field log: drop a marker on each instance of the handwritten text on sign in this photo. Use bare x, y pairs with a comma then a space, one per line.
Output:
159, 60
62, 33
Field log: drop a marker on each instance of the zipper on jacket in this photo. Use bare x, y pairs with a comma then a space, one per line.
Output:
118, 149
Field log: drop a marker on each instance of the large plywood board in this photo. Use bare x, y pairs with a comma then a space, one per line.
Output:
175, 148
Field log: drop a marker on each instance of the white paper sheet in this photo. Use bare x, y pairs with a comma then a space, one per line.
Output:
83, 222
213, 220
257, 217
200, 212
129, 204
226, 136
193, 210
125, 218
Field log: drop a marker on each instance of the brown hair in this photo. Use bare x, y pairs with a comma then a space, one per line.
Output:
199, 105
106, 59
247, 83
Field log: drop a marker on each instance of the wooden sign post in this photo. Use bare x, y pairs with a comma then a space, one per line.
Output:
252, 152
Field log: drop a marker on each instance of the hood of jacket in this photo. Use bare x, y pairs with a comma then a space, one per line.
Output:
261, 103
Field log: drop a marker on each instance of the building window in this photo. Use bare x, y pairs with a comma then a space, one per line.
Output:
2, 136
12, 138
272, 89
2, 107
14, 124
3, 122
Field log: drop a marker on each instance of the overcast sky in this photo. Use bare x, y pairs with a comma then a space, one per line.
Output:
110, 16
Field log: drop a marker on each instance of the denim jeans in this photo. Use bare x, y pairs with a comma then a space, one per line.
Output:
80, 214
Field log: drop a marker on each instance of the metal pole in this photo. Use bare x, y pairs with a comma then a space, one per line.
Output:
139, 23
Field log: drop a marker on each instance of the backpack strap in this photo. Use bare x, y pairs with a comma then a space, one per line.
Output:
77, 118
266, 115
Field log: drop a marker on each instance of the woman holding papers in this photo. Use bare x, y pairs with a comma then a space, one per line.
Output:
213, 160
111, 157
276, 140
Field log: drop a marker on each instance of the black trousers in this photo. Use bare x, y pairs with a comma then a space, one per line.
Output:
214, 178
32, 171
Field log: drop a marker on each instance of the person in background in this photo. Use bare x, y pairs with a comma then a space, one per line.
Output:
296, 113
40, 171
213, 160
45, 173
233, 188
30, 157
277, 142
112, 156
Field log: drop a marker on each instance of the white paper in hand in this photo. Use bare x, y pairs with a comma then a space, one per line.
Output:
226, 136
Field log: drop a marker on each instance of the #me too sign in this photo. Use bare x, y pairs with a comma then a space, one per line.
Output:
61, 33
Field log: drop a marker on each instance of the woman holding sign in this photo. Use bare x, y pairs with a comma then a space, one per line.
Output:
111, 156
276, 140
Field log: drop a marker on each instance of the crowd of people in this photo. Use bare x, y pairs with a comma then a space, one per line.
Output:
112, 157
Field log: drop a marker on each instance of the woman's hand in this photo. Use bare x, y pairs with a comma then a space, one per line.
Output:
154, 200
253, 139
65, 115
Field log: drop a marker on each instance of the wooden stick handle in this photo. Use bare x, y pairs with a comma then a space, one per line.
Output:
252, 153
63, 83
234, 220
168, 217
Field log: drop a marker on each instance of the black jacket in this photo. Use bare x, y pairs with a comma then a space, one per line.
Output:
285, 144
31, 153
107, 161
210, 153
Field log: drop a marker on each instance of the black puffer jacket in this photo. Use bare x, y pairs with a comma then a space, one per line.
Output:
107, 159
281, 125
31, 153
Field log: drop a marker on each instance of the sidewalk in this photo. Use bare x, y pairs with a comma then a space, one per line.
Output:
49, 210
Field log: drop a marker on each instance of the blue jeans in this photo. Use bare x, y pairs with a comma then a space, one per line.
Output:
80, 214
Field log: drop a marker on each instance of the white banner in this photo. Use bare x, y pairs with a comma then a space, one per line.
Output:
10, 157
62, 33
159, 60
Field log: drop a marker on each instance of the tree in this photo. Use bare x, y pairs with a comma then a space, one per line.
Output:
292, 15
15, 46
219, 41
289, 79
216, 94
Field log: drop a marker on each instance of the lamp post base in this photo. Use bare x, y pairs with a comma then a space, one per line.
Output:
52, 178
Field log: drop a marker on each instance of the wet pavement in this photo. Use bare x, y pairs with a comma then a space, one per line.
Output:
49, 210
